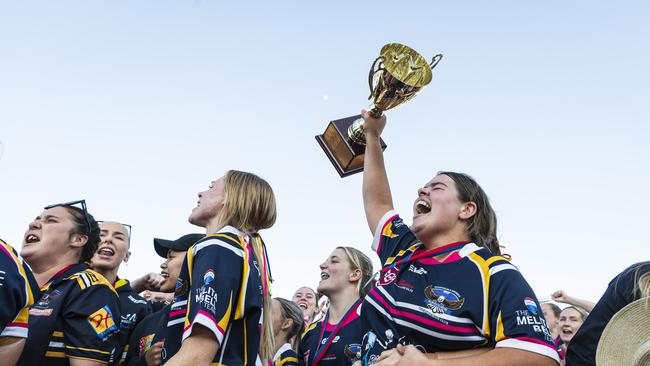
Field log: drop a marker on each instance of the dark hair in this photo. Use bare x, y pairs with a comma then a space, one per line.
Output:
90, 229
290, 310
554, 308
482, 227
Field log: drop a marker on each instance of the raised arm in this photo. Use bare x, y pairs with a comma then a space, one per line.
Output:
563, 297
377, 199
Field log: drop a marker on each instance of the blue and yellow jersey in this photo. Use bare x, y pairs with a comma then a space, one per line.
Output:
220, 288
133, 308
146, 334
18, 291
343, 350
78, 316
285, 356
469, 298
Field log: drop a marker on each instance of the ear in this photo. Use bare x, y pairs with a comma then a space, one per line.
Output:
127, 256
467, 210
355, 275
78, 240
286, 324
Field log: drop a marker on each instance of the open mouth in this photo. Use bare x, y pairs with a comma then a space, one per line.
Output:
31, 238
164, 275
422, 207
324, 276
303, 305
106, 251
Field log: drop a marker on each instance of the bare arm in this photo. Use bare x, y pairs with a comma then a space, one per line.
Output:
82, 362
198, 349
10, 350
563, 297
377, 199
495, 357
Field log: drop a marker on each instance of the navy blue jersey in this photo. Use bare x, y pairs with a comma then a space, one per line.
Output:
220, 288
472, 298
146, 334
285, 356
619, 293
77, 316
18, 291
133, 308
343, 350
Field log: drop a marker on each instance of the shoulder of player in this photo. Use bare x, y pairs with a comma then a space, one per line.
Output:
312, 327
492, 262
220, 242
88, 278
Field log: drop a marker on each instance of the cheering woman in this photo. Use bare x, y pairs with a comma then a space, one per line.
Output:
443, 286
336, 339
223, 290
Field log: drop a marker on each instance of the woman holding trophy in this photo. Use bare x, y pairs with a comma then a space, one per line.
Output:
444, 290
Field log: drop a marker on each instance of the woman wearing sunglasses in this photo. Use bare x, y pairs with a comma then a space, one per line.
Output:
77, 317
223, 291
443, 285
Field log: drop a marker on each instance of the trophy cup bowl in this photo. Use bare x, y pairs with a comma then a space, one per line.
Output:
395, 77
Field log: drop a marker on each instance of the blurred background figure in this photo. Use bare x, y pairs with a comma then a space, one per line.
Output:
307, 300
288, 322
571, 319
563, 297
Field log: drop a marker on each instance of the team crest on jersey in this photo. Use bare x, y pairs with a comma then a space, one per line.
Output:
48, 297
352, 352
441, 300
388, 277
208, 277
531, 305
102, 323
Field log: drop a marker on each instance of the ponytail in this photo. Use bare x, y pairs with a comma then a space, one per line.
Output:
267, 343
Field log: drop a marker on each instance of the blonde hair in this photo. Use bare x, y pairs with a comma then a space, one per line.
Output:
250, 206
360, 261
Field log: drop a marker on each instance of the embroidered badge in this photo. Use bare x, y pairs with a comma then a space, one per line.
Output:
208, 277
441, 300
102, 323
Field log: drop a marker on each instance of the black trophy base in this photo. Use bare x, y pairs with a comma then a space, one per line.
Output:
346, 155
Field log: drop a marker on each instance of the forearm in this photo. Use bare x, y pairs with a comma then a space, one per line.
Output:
377, 199
10, 350
458, 354
585, 304
198, 349
498, 357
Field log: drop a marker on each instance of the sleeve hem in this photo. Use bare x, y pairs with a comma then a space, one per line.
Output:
207, 321
539, 348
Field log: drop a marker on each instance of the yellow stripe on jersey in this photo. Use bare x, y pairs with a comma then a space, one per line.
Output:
23, 274
88, 277
55, 354
308, 328
245, 344
485, 277
494, 259
57, 334
500, 329
223, 322
239, 312
119, 283
412, 248
281, 362
88, 350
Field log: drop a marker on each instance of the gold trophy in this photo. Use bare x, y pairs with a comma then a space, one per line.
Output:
396, 76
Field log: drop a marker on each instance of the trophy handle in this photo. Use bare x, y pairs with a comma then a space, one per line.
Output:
435, 60
372, 73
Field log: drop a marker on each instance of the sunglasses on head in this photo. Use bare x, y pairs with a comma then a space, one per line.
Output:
80, 204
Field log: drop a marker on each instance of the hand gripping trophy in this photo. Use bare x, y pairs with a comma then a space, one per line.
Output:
395, 77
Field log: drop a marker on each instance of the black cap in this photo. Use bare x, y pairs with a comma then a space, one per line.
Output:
181, 244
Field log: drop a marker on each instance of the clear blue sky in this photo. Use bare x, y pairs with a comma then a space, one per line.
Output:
137, 106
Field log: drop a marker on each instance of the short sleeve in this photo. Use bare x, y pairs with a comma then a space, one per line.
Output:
90, 324
18, 291
216, 269
391, 236
515, 317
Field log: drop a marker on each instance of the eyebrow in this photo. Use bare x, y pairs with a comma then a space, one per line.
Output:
431, 185
46, 217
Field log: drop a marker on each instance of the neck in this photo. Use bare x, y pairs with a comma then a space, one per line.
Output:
554, 333
109, 273
340, 302
44, 273
439, 240
280, 339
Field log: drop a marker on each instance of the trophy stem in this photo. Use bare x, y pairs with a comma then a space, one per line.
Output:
355, 131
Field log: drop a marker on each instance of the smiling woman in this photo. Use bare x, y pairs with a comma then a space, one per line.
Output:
77, 316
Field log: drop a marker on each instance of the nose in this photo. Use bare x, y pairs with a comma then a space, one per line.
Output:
323, 265
34, 225
163, 265
423, 191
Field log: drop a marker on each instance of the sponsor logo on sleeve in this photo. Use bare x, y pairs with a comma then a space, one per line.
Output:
206, 296
530, 305
388, 277
101, 321
208, 277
